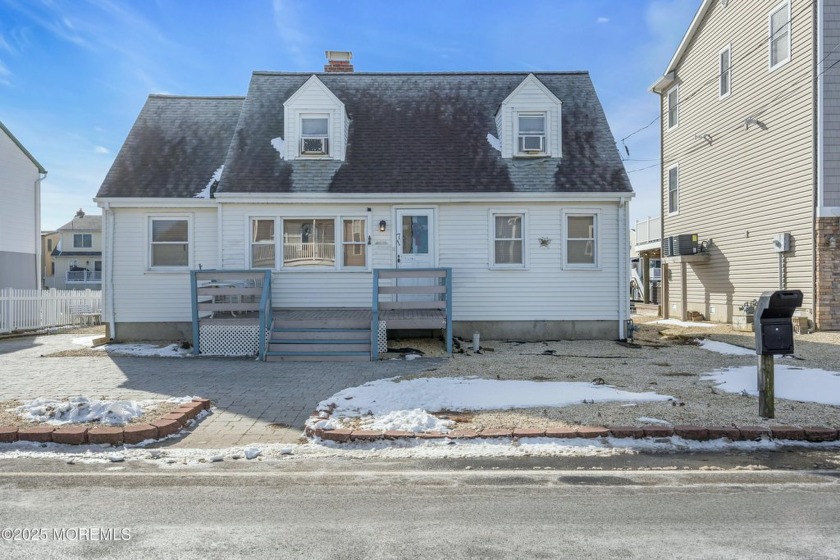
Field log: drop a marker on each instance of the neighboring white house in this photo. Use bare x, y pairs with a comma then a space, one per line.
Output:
511, 179
20, 214
77, 255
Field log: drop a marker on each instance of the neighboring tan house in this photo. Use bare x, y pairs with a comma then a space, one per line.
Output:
77, 256
49, 241
20, 214
750, 106
512, 180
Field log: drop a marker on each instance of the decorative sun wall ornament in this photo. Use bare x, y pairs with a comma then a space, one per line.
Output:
545, 241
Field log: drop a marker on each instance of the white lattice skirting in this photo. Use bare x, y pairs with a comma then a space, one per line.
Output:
229, 340
382, 338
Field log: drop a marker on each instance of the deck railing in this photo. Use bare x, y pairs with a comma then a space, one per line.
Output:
648, 231
83, 276
232, 292
420, 298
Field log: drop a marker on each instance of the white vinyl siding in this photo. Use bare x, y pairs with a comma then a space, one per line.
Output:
463, 241
725, 72
673, 189
314, 101
18, 211
749, 184
673, 107
143, 295
507, 240
779, 40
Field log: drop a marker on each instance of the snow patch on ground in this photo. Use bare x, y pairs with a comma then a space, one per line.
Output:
792, 383
405, 404
649, 420
86, 341
170, 351
78, 410
724, 348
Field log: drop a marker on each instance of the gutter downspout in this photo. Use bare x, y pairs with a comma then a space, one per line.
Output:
623, 268
38, 251
108, 281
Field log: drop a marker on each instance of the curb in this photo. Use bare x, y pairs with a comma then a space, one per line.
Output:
171, 423
694, 433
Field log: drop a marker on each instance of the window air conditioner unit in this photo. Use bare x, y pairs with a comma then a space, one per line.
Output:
314, 145
676, 245
534, 144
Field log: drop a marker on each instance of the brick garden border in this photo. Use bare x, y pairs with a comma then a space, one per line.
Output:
169, 424
696, 433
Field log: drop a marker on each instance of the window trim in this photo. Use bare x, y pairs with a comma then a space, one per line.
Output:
83, 236
492, 213
676, 190
251, 242
595, 213
338, 225
675, 90
328, 154
546, 151
190, 246
726, 49
781, 5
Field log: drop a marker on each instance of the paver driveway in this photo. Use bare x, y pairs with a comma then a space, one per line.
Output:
251, 398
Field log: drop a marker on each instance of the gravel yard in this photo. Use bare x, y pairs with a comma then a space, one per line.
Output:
664, 359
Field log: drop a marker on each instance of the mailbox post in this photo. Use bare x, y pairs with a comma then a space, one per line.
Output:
773, 335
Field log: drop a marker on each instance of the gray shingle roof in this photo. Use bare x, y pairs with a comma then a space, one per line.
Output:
86, 223
174, 147
409, 133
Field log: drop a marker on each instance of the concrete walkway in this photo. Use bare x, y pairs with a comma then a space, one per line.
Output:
254, 402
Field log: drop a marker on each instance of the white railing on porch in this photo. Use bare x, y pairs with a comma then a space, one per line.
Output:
319, 252
648, 231
38, 309
84, 276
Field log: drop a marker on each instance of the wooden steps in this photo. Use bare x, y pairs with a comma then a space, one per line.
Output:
319, 339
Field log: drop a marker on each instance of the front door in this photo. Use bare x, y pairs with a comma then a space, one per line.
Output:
415, 246
415, 238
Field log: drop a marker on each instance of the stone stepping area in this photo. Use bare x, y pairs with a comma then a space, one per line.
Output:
167, 425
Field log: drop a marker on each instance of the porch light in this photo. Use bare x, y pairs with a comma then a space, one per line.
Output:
382, 225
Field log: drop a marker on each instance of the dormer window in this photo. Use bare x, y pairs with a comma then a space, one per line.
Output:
532, 133
314, 135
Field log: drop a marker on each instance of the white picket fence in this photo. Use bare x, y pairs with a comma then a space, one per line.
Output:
22, 310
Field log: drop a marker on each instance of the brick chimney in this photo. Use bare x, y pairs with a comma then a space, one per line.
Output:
338, 61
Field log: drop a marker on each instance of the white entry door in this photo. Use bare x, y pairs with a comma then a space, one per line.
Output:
415, 237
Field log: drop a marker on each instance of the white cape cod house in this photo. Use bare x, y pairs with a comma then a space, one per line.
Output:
507, 187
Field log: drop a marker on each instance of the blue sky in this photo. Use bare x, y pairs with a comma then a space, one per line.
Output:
75, 73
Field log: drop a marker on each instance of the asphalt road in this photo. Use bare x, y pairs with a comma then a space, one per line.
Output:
413, 509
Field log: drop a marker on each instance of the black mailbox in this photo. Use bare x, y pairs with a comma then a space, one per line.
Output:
773, 323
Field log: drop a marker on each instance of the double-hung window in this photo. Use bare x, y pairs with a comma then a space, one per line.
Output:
169, 243
673, 190
673, 107
263, 247
508, 240
314, 135
581, 240
354, 242
725, 72
532, 133
82, 240
779, 34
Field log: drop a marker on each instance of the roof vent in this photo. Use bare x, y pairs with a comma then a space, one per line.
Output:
338, 61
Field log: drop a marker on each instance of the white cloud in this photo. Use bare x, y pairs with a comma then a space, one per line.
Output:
603, 20
101, 150
289, 27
